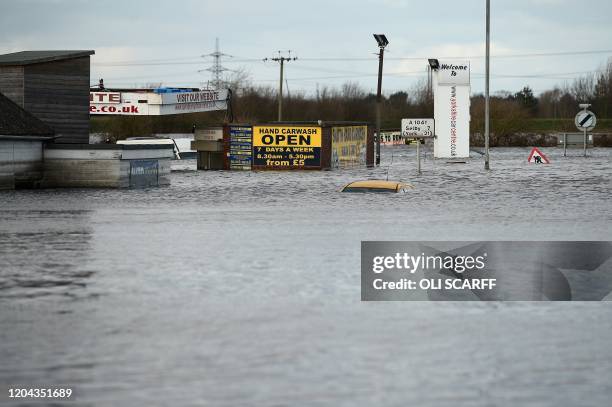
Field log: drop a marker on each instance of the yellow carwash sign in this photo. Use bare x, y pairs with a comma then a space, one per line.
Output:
287, 146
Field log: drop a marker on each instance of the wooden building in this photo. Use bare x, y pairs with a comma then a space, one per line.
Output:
53, 86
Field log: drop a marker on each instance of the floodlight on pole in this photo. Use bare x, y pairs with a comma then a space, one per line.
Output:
381, 40
434, 63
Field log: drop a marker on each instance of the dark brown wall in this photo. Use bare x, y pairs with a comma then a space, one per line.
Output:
226, 147
326, 147
58, 94
11, 83
370, 147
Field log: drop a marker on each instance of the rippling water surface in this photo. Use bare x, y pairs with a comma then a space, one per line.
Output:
243, 289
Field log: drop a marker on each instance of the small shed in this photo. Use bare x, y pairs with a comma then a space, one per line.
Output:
21, 146
53, 86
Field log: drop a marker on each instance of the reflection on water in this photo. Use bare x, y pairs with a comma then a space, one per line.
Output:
41, 250
243, 288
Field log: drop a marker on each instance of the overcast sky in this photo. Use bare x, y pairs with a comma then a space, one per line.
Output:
164, 41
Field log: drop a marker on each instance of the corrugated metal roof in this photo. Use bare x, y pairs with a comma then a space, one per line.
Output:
15, 121
37, 57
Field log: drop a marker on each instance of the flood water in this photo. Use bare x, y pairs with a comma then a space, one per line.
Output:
243, 289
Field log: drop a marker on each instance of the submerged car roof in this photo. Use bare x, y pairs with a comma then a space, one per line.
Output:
377, 184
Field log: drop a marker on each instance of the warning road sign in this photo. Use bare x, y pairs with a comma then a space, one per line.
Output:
585, 120
537, 157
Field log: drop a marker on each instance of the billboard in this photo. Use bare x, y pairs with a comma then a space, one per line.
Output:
240, 147
278, 146
149, 103
391, 138
349, 145
452, 110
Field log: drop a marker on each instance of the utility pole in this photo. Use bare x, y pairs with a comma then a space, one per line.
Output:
217, 69
382, 41
282, 61
487, 57
379, 102
428, 83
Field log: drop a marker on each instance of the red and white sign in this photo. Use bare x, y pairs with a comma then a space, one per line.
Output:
104, 97
537, 157
149, 103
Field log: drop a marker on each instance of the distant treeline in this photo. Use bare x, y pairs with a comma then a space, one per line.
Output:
511, 113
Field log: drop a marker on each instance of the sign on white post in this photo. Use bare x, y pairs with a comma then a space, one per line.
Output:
585, 120
417, 128
452, 110
454, 73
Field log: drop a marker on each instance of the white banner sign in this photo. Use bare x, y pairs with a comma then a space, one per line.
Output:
454, 73
204, 96
156, 104
452, 110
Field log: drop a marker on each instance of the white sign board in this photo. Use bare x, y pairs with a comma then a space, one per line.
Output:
104, 97
454, 73
211, 134
417, 128
203, 96
452, 110
585, 120
156, 104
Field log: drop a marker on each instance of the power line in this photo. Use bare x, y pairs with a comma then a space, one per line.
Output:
137, 63
173, 61
407, 58
400, 74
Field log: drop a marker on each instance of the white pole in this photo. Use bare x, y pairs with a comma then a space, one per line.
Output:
418, 153
486, 129
585, 137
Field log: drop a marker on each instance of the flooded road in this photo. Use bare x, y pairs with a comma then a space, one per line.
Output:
243, 289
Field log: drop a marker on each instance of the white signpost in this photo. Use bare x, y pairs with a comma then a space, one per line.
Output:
585, 121
418, 128
451, 84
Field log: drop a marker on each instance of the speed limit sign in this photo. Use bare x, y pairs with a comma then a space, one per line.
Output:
585, 120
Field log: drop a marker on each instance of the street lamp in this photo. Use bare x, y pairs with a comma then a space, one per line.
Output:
381, 40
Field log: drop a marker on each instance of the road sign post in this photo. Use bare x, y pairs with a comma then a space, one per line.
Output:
418, 153
585, 121
418, 129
